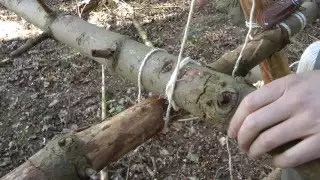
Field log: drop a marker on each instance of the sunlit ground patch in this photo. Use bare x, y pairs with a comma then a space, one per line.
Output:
10, 30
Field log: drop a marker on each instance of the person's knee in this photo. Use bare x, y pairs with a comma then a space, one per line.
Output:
310, 59
291, 174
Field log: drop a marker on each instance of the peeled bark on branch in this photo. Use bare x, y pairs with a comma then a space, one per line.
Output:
207, 94
71, 156
264, 44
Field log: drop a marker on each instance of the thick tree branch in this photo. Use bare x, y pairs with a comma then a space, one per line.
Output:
277, 65
264, 44
74, 155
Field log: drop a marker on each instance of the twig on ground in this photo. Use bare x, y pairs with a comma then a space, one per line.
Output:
86, 6
4, 61
155, 170
151, 173
230, 159
142, 33
216, 175
188, 119
103, 95
128, 168
104, 171
80, 14
29, 44
313, 37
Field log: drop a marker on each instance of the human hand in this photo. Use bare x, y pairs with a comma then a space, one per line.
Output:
284, 110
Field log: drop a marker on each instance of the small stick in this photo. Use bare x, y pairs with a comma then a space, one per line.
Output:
128, 168
142, 33
103, 95
230, 158
155, 170
151, 173
4, 61
104, 171
313, 37
216, 175
29, 44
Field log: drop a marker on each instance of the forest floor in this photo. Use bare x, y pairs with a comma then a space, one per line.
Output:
52, 89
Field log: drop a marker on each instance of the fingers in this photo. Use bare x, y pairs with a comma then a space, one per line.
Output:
280, 134
260, 120
254, 101
305, 151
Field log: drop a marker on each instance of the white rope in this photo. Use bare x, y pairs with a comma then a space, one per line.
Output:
173, 79
171, 83
284, 25
247, 38
254, 25
141, 68
302, 19
293, 64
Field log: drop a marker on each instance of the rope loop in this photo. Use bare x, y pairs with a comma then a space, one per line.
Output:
141, 68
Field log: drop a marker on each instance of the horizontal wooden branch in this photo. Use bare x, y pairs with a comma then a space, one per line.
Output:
72, 156
207, 94
264, 44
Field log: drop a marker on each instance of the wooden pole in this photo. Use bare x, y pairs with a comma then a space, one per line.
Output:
277, 65
78, 155
264, 44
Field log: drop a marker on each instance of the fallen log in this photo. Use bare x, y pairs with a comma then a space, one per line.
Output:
210, 95
79, 155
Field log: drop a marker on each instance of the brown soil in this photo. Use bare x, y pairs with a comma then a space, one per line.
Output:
52, 89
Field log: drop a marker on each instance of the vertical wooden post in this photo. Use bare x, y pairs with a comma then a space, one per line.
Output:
277, 65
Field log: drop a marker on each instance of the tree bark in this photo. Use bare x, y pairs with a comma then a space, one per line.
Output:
70, 156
